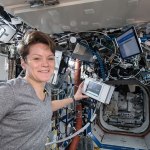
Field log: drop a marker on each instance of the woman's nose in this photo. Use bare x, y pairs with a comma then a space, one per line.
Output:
45, 62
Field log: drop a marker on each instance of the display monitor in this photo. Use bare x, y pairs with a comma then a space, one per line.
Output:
93, 88
128, 43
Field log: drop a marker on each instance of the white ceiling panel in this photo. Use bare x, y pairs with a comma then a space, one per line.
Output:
81, 15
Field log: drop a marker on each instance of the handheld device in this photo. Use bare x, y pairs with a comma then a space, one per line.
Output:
98, 90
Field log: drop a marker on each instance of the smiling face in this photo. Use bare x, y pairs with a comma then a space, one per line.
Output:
39, 63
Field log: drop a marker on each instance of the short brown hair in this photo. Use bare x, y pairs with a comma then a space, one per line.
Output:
31, 38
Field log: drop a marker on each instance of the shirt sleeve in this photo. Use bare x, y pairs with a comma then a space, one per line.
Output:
6, 99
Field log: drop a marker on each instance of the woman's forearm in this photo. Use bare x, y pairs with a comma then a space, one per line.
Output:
57, 104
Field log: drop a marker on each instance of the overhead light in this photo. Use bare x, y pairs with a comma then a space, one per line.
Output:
6, 33
2, 31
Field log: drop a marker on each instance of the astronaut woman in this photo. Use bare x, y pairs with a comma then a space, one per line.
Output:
25, 102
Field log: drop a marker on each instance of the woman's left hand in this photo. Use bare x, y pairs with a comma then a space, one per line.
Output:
79, 95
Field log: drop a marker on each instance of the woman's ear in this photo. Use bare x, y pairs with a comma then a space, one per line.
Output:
23, 64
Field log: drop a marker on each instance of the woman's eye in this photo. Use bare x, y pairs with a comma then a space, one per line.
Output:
36, 58
51, 58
